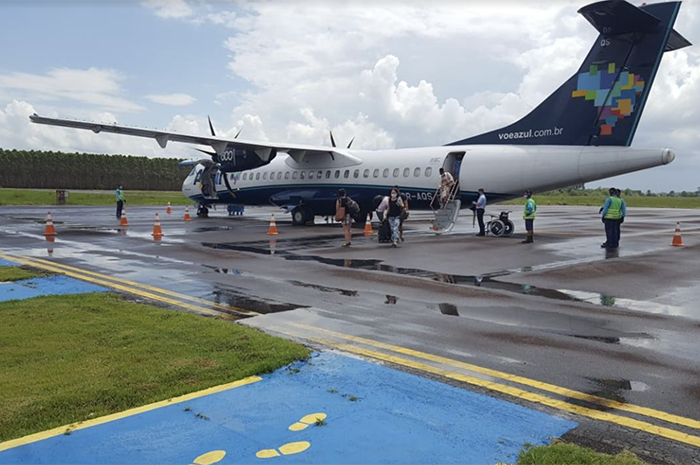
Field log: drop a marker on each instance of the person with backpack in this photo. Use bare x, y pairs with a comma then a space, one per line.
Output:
404, 212
345, 208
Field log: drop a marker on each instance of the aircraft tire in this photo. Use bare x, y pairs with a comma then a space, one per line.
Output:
299, 216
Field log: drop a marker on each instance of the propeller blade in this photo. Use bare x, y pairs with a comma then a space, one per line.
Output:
332, 140
351, 141
211, 126
228, 186
238, 133
212, 154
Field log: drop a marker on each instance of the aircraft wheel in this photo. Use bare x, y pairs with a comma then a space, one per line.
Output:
203, 212
298, 216
509, 228
496, 227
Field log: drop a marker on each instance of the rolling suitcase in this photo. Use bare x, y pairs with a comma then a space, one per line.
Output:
384, 232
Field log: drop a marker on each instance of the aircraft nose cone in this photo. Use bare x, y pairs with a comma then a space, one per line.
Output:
667, 156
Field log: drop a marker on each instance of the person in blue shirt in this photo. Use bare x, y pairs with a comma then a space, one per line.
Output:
480, 206
120, 201
613, 213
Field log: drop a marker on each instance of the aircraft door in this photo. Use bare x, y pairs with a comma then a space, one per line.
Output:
453, 165
207, 179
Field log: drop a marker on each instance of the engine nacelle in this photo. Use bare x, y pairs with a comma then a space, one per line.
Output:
235, 159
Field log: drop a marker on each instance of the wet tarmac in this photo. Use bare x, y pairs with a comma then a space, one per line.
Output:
621, 324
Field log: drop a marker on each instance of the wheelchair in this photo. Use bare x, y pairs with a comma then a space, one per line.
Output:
500, 226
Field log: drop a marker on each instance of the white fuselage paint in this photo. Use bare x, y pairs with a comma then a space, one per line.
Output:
503, 169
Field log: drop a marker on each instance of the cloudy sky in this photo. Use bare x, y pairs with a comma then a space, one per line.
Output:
391, 74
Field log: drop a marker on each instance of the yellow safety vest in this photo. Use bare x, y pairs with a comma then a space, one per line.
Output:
531, 216
614, 210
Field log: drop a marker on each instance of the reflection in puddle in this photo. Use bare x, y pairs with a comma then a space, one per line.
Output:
391, 300
448, 309
239, 300
610, 301
614, 389
318, 287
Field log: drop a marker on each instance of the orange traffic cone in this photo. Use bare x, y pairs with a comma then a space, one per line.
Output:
157, 231
49, 230
677, 239
49, 247
123, 221
273, 227
368, 225
187, 214
169, 210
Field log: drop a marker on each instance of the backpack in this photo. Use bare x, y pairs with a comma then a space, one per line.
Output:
352, 206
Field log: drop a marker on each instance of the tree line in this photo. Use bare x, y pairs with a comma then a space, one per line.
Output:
59, 170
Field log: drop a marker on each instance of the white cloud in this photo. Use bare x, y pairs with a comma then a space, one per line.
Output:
169, 8
176, 100
97, 87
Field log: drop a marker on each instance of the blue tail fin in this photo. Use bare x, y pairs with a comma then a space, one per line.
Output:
603, 102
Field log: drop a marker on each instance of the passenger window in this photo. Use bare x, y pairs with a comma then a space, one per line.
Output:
257, 176
356, 174
245, 175
346, 174
328, 174
386, 172
295, 175
319, 175
396, 172
365, 174
406, 172
279, 176
302, 175
337, 174
375, 174
264, 175
416, 172
272, 176
286, 175
311, 174
428, 172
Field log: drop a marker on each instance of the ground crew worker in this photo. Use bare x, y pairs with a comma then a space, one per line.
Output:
480, 206
120, 201
529, 217
613, 213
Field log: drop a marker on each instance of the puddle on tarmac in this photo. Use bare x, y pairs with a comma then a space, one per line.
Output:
242, 301
318, 287
614, 389
213, 229
390, 299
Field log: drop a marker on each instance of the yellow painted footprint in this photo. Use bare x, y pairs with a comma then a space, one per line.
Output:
287, 449
307, 421
209, 458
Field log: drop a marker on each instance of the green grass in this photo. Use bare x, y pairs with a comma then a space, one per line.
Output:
48, 197
71, 358
18, 273
571, 454
598, 201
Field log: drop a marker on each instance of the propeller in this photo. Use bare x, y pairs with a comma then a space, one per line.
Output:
211, 126
333, 140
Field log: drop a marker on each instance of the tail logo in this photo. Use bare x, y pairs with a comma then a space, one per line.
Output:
616, 98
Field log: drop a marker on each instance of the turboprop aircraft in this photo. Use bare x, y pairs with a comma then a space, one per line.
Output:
580, 133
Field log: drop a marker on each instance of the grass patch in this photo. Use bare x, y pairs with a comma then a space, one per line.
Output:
571, 454
19, 273
595, 200
71, 358
133, 198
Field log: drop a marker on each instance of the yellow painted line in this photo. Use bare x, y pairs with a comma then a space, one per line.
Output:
522, 394
607, 403
145, 286
101, 282
127, 413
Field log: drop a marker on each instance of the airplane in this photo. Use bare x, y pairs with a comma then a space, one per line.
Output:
582, 132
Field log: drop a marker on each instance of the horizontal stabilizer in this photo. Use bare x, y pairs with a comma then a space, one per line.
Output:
614, 17
676, 41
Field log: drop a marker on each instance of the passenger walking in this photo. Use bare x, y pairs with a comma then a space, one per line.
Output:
480, 206
120, 201
343, 215
613, 212
529, 217
447, 182
404, 212
394, 209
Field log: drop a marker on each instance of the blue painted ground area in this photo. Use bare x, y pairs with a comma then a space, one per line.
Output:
396, 418
48, 285
6, 263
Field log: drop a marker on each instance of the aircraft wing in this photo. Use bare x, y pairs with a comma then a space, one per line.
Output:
264, 150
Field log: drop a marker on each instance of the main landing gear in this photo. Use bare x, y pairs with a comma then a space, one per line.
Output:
202, 211
302, 215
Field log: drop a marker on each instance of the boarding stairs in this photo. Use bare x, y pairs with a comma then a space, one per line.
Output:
445, 215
